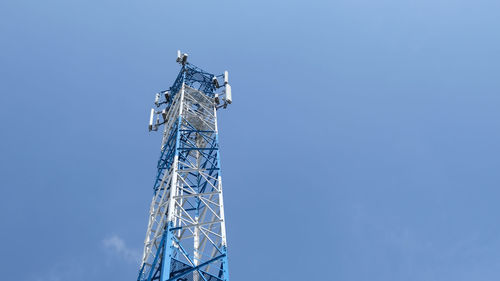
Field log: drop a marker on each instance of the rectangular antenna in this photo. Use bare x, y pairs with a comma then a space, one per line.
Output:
151, 119
229, 98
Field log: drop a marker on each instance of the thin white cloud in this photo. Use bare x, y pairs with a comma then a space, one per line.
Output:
117, 246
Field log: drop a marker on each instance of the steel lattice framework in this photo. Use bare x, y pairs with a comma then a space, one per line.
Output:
186, 235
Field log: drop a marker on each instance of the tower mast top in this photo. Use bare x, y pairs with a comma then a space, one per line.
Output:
196, 78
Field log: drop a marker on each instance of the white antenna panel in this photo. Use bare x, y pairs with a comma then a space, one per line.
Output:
151, 119
229, 97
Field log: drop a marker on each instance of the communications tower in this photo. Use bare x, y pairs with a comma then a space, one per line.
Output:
186, 235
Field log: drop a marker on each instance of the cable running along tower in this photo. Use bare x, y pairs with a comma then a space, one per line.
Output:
186, 235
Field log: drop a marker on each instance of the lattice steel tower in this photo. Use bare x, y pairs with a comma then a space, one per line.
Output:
186, 235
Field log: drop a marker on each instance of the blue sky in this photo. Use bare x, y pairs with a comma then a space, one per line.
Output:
363, 142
